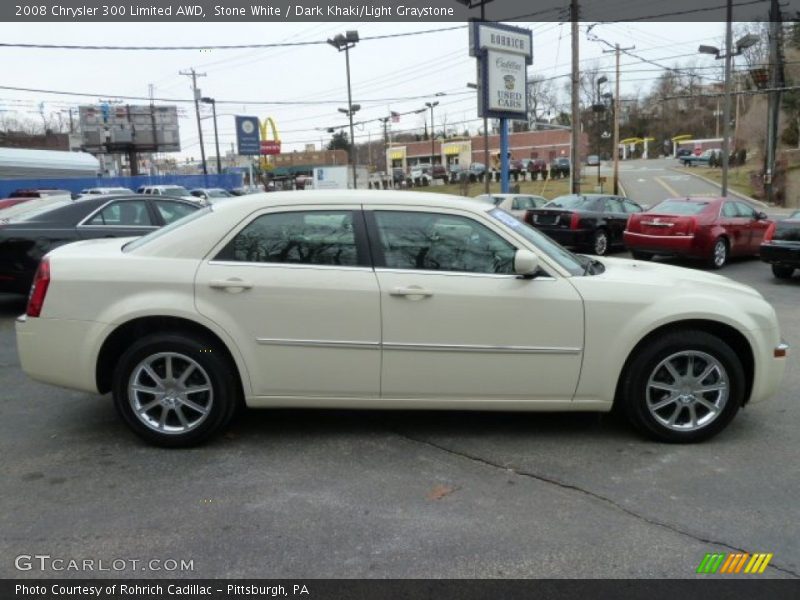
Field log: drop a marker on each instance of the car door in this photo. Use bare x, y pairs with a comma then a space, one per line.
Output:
119, 218
295, 288
756, 228
736, 228
616, 219
458, 324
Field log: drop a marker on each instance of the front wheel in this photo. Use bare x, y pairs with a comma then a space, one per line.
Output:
782, 271
683, 387
175, 390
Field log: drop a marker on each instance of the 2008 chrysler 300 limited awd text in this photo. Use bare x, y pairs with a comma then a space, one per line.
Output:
370, 299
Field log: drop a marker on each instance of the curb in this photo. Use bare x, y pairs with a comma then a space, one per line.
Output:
730, 191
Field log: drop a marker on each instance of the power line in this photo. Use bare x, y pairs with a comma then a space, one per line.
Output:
221, 47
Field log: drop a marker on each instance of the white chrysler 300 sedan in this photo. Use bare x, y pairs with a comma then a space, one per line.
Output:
381, 299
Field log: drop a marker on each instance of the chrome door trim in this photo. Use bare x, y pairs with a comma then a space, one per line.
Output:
356, 345
480, 348
460, 274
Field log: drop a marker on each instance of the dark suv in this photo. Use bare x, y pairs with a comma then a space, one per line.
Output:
560, 167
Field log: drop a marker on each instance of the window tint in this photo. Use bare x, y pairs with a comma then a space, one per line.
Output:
614, 205
172, 211
729, 210
313, 237
438, 242
631, 207
126, 214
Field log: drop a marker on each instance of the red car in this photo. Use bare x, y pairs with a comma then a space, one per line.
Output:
711, 229
9, 202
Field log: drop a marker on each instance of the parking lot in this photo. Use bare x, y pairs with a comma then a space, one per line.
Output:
411, 494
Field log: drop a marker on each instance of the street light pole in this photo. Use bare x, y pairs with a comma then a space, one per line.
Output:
741, 44
213, 104
345, 42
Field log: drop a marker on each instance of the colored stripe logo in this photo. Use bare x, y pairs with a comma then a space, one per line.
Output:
734, 563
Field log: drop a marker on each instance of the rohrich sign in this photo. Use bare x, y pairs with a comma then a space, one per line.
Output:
503, 54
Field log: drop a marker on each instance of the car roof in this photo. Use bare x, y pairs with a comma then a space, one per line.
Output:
706, 199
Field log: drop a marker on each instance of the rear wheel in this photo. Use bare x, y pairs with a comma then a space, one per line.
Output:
175, 390
719, 254
600, 242
782, 271
684, 387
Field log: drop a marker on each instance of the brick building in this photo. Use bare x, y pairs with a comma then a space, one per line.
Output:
547, 144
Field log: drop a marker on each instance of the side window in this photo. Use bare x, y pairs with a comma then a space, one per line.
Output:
729, 210
302, 237
440, 242
132, 213
524, 203
172, 211
614, 205
746, 210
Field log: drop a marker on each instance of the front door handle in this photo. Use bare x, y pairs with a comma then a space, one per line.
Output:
412, 290
233, 283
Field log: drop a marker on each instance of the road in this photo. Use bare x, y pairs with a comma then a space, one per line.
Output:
399, 494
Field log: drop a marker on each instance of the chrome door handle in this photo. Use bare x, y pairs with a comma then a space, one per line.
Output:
412, 290
227, 284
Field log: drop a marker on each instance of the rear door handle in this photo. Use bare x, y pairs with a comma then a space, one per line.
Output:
412, 290
230, 284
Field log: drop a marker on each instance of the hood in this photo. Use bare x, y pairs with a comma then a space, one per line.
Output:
625, 271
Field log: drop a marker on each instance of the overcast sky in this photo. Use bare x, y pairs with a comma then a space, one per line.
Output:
383, 71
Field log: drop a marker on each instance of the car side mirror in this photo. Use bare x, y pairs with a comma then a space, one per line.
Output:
526, 264
762, 216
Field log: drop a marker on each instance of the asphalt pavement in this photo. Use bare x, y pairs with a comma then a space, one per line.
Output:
357, 494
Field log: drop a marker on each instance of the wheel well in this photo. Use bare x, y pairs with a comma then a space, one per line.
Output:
726, 333
124, 335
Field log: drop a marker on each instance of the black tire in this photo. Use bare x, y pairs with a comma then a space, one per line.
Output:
600, 242
719, 254
641, 255
216, 372
634, 401
782, 271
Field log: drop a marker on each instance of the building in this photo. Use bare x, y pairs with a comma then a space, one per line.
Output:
546, 144
47, 141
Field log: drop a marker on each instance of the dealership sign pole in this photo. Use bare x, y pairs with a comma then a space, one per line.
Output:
504, 53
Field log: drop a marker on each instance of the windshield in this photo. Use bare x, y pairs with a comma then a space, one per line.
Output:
678, 207
139, 242
571, 262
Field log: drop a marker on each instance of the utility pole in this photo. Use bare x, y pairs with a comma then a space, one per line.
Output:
385, 121
726, 110
617, 51
194, 75
773, 112
575, 169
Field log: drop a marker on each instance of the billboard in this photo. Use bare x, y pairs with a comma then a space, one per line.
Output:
126, 127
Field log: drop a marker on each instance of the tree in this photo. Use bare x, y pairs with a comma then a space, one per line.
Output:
542, 100
339, 141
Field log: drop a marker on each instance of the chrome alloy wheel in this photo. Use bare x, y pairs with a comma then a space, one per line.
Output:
687, 390
720, 253
170, 393
600, 243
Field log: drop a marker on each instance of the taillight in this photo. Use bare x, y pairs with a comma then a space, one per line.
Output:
574, 221
41, 281
769, 233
